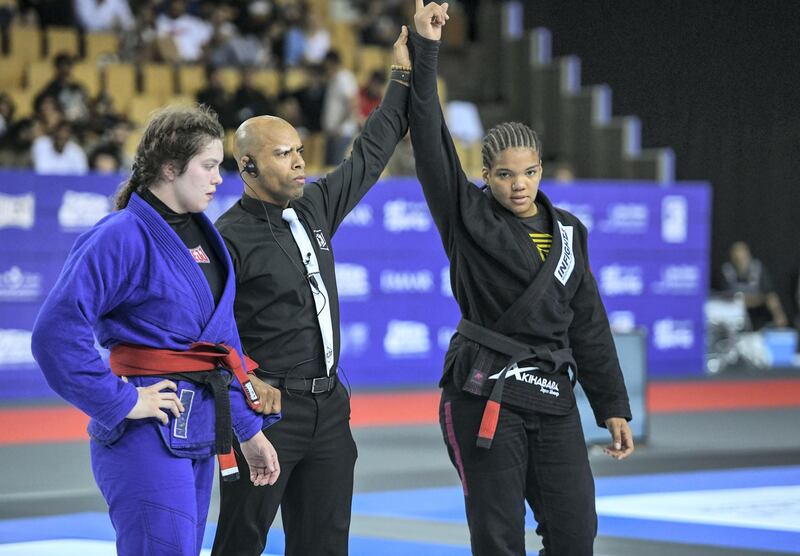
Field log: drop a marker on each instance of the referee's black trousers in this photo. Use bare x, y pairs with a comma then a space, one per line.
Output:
317, 456
538, 458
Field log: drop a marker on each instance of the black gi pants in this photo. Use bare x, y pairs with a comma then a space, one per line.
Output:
538, 458
317, 456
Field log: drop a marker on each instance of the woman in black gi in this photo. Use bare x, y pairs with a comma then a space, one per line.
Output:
532, 322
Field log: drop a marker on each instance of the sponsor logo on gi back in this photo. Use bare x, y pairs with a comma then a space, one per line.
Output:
18, 285
400, 281
621, 280
17, 211
403, 216
359, 217
352, 281
626, 218
80, 210
406, 338
673, 334
15, 347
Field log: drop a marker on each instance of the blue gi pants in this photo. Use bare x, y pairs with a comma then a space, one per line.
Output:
158, 502
538, 458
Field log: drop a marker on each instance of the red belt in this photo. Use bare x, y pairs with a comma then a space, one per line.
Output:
133, 360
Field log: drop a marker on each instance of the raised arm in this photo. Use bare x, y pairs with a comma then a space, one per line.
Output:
343, 188
438, 167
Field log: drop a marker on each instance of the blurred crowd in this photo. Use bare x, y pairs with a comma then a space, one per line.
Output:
72, 132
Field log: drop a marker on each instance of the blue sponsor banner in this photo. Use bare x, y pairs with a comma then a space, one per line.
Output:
649, 252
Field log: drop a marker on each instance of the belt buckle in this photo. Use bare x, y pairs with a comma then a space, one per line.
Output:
323, 383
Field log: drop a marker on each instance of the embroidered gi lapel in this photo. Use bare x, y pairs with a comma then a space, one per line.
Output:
519, 311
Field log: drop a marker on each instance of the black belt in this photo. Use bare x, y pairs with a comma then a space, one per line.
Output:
318, 385
218, 382
561, 360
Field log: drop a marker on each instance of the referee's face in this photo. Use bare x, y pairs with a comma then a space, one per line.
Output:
282, 170
514, 180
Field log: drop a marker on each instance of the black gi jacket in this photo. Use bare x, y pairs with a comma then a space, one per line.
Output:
274, 306
492, 260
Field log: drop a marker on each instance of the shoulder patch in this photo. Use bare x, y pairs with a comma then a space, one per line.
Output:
566, 262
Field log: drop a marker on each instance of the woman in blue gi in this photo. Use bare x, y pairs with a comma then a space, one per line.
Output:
532, 322
153, 283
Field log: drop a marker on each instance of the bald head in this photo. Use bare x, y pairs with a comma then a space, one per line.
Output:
276, 152
256, 133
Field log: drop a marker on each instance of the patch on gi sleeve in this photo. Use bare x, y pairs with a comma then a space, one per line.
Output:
181, 427
566, 263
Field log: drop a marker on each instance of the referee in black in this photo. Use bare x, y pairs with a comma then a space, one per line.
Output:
279, 236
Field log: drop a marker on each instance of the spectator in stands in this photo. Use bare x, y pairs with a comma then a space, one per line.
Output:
378, 22
188, 33
288, 109
104, 15
564, 172
47, 12
370, 95
70, 95
743, 274
48, 114
58, 154
7, 109
140, 44
311, 98
318, 39
340, 111
15, 146
228, 47
294, 38
217, 98
249, 101
104, 160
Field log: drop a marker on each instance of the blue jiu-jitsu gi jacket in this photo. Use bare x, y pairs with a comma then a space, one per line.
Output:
130, 279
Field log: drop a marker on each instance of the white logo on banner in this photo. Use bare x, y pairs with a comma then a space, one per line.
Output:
444, 336
674, 219
621, 280
354, 338
622, 321
360, 216
405, 338
681, 279
352, 281
16, 285
566, 263
672, 334
15, 347
447, 289
80, 210
402, 216
583, 212
626, 218
17, 211
394, 281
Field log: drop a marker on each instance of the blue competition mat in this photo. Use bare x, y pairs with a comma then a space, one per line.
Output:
756, 509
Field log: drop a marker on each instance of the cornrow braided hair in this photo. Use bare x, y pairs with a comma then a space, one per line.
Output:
173, 134
508, 135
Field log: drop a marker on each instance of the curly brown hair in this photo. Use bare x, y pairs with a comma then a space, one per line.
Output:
173, 134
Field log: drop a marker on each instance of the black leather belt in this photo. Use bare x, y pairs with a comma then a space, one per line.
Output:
318, 385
